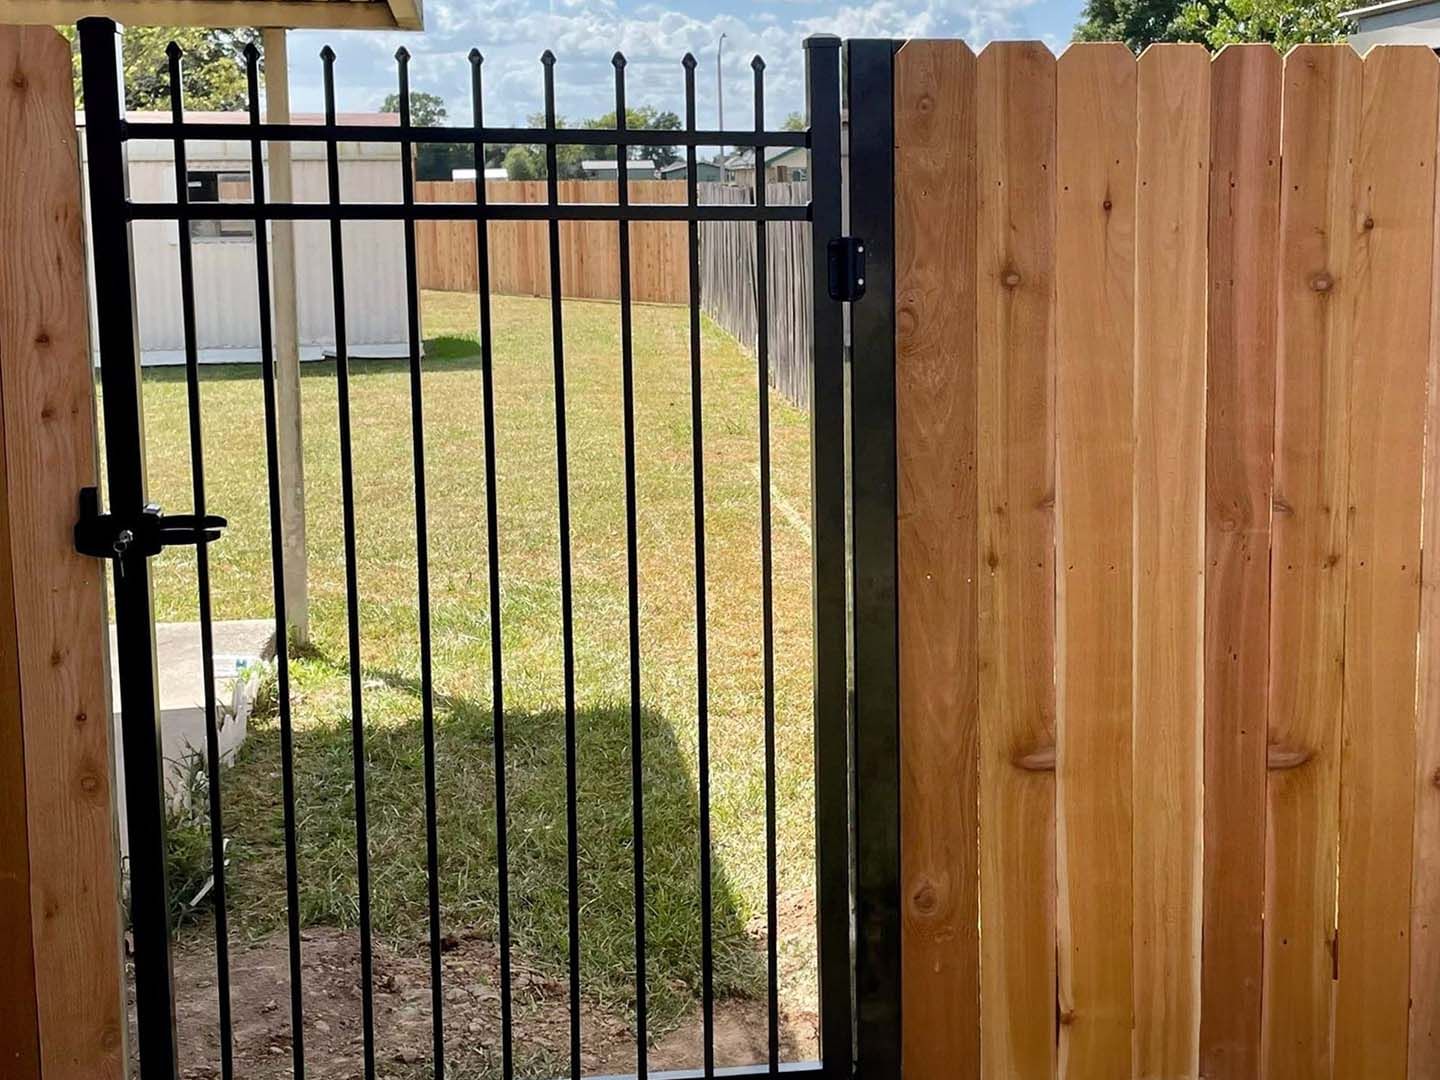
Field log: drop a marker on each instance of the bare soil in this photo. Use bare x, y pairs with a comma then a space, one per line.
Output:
334, 1047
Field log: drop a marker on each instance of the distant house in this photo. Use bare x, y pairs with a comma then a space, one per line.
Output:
783, 164
705, 171
469, 174
643, 169
1397, 22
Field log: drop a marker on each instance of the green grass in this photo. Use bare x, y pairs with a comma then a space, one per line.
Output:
531, 623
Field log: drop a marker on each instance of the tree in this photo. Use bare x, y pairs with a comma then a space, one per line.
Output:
524, 163
426, 110
643, 118
528, 162
214, 67
1214, 23
794, 122
433, 161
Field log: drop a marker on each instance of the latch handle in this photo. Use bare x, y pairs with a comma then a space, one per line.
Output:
108, 536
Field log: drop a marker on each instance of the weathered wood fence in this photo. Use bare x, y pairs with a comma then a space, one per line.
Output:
728, 283
659, 259
1170, 803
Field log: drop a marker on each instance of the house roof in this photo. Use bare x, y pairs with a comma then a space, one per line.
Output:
1396, 22
680, 165
602, 163
310, 14
744, 159
1371, 10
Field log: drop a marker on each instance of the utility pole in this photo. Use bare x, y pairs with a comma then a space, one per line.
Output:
720, 97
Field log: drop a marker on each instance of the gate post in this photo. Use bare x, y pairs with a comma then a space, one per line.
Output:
873, 478
125, 472
61, 997
827, 493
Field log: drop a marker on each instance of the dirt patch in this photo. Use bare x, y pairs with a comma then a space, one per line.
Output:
260, 992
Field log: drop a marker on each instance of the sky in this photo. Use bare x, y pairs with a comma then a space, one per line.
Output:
584, 35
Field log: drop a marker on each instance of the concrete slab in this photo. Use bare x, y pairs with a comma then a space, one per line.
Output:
242, 648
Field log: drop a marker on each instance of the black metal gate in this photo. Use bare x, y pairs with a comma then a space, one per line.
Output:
856, 750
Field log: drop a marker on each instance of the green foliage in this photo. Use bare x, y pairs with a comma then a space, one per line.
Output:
524, 163
794, 122
426, 110
214, 67
187, 845
438, 161
433, 161
528, 162
644, 118
1213, 23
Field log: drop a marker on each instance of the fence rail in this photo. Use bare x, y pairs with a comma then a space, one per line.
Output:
519, 259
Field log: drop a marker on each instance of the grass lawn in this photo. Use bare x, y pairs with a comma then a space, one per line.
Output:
530, 618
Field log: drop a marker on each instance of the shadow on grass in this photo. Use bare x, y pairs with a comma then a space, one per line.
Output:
538, 848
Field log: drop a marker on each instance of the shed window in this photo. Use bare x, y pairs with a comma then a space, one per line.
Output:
220, 186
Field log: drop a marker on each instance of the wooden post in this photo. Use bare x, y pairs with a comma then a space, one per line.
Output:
287, 344
61, 1004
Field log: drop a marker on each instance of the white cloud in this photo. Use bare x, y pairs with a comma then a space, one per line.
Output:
585, 33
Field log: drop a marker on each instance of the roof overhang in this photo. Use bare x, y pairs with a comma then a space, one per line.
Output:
1397, 22
290, 14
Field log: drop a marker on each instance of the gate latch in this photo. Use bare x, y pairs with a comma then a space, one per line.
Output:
847, 268
109, 536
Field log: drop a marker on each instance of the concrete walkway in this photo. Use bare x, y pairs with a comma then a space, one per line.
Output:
241, 648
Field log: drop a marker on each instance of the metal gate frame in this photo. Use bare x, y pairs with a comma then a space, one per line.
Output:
856, 745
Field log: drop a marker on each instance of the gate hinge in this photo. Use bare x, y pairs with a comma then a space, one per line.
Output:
847, 268
109, 536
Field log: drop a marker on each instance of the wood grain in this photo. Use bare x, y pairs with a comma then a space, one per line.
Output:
1394, 204
589, 250
1239, 441
1095, 313
1171, 208
937, 552
45, 388
1014, 274
19, 1021
1424, 1054
1319, 124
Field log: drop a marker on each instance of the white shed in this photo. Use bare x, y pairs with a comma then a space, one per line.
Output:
226, 310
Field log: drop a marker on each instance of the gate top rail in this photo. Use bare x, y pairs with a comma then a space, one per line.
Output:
528, 136
179, 131
459, 211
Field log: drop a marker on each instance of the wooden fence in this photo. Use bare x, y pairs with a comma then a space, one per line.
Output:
659, 259
1170, 749
727, 283
589, 250
62, 998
